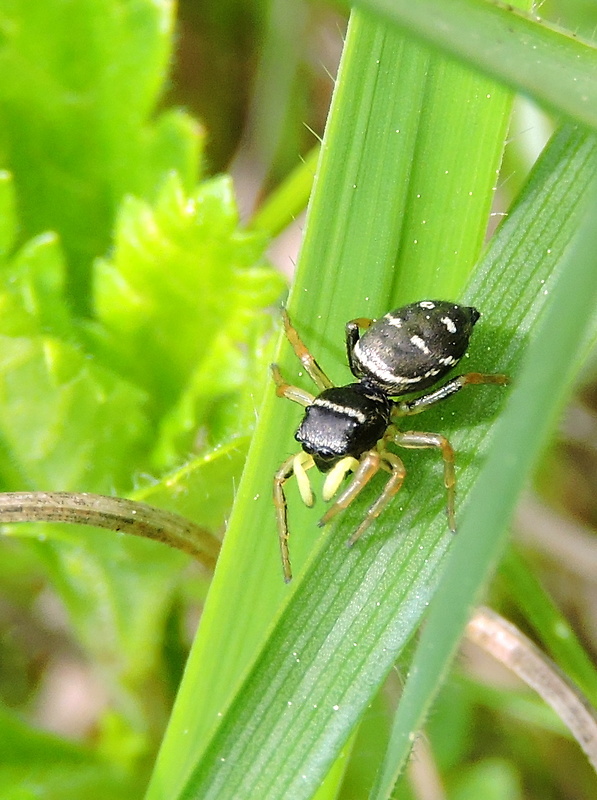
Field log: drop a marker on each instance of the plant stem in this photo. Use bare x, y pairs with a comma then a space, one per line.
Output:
114, 513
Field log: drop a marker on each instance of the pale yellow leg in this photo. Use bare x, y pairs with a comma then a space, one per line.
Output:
368, 466
392, 487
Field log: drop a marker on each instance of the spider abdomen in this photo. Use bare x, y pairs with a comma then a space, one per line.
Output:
413, 347
343, 421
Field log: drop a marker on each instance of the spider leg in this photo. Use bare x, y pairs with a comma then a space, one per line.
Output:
406, 407
295, 465
317, 375
392, 487
353, 336
369, 465
419, 439
293, 393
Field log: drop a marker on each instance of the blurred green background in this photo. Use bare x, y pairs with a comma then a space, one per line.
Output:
144, 252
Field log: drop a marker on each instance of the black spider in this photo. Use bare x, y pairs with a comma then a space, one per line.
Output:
346, 429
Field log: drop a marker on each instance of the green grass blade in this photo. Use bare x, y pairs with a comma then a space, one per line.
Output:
550, 361
360, 219
547, 64
349, 618
289, 199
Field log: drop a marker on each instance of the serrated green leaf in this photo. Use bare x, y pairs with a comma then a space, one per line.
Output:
203, 488
32, 291
175, 142
67, 392
182, 307
78, 84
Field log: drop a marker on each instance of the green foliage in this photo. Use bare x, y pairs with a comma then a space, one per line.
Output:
78, 85
180, 311
268, 710
516, 47
36, 765
134, 343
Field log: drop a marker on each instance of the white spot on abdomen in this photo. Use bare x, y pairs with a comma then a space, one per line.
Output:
420, 343
449, 323
447, 360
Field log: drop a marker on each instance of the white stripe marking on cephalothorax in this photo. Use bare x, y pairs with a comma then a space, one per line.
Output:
346, 410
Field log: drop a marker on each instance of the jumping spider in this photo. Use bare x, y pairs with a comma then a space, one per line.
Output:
346, 429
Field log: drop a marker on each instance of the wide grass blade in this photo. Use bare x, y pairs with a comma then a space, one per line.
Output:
549, 366
354, 610
550, 65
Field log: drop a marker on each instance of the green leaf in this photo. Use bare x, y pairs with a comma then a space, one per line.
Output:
35, 764
289, 199
67, 391
362, 214
91, 404
181, 304
8, 221
203, 488
492, 779
352, 613
32, 291
549, 622
96, 395
518, 49
548, 365
78, 85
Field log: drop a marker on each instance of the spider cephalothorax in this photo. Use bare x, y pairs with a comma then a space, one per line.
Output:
346, 429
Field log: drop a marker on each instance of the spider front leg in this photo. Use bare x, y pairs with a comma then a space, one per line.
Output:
397, 471
371, 462
296, 465
364, 470
317, 375
293, 393
407, 407
419, 440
